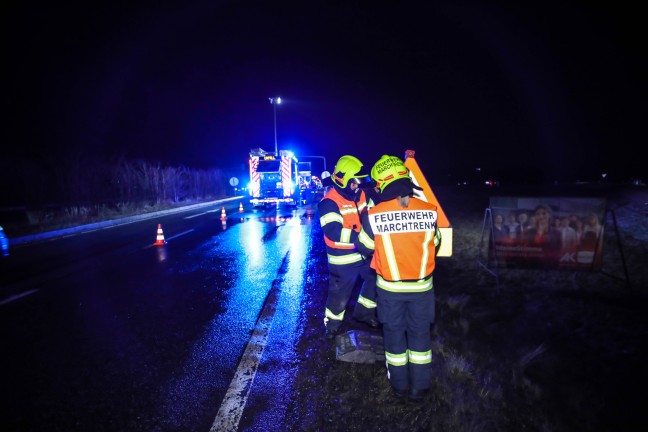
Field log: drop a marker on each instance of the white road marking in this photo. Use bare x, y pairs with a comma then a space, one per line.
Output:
169, 238
201, 214
231, 409
180, 234
17, 296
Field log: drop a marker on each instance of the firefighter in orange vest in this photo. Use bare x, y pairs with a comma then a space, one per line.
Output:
348, 253
406, 240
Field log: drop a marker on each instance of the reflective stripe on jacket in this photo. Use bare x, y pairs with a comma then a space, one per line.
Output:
340, 221
406, 241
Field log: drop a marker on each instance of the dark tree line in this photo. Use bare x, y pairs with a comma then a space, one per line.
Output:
89, 181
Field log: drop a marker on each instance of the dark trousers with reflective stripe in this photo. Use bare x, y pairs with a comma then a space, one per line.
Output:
342, 280
406, 319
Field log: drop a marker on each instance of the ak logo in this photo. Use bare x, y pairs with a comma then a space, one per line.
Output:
568, 257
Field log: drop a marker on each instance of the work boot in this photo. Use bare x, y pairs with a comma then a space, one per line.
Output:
417, 395
331, 332
399, 393
371, 322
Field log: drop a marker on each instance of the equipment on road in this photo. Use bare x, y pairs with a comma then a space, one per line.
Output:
356, 346
223, 215
159, 240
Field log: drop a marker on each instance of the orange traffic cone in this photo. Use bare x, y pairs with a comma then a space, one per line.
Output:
240, 207
223, 215
159, 240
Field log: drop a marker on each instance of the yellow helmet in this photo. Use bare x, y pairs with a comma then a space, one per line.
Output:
387, 170
347, 168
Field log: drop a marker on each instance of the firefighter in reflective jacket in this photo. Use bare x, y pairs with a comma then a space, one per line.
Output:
348, 247
406, 240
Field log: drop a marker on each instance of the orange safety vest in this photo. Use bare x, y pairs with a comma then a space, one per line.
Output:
350, 212
406, 240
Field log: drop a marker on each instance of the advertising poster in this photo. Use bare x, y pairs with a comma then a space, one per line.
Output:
555, 233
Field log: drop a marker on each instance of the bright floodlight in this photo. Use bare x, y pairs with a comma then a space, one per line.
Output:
278, 100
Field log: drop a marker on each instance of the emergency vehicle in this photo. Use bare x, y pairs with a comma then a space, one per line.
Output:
274, 178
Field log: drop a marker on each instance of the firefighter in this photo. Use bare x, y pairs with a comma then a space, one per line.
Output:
348, 248
406, 240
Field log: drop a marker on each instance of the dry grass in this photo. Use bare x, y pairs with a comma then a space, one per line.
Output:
538, 351
43, 220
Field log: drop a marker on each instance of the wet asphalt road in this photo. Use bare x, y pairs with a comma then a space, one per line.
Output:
105, 331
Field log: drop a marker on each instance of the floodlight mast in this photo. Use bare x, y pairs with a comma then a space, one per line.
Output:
275, 101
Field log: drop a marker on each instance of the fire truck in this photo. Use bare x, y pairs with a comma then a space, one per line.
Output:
274, 178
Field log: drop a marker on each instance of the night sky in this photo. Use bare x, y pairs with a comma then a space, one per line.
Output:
522, 90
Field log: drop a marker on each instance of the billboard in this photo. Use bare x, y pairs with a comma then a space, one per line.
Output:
557, 233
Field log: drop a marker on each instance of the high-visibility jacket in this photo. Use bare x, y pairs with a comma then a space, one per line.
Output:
405, 241
342, 228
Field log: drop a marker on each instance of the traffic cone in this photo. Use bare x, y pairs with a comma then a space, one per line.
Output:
159, 240
241, 208
223, 215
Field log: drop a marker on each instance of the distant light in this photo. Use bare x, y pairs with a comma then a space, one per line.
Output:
604, 175
278, 100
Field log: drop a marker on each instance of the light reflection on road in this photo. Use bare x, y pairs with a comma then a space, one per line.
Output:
258, 249
268, 400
